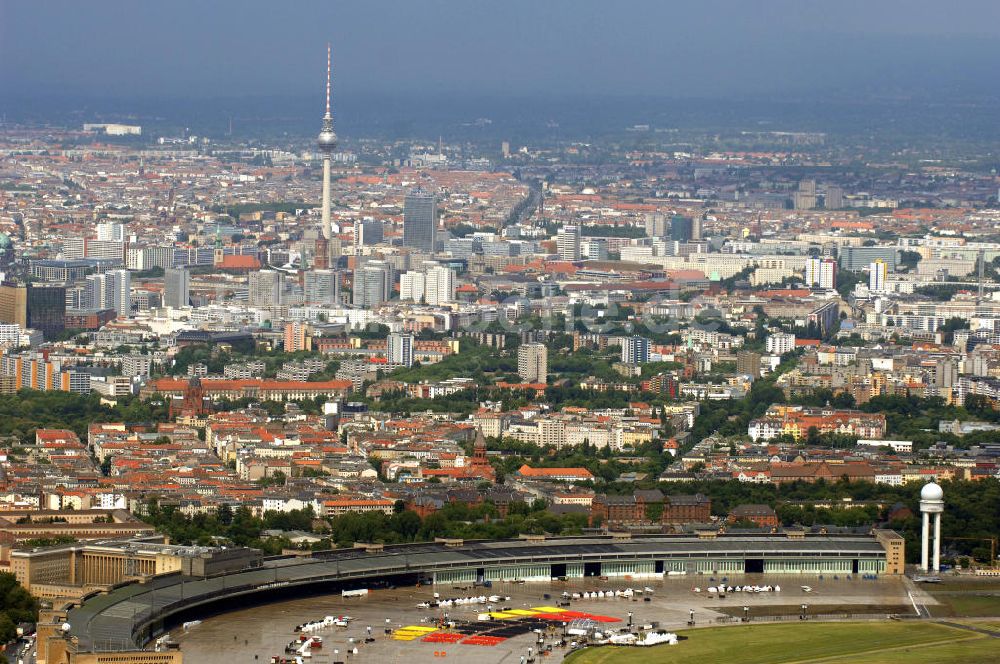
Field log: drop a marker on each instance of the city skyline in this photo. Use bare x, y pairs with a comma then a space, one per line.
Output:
550, 296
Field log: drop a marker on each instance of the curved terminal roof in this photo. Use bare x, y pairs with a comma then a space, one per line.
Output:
121, 618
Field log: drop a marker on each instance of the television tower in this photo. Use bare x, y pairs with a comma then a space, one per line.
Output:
327, 142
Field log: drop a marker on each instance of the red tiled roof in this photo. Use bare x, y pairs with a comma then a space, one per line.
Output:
239, 262
528, 471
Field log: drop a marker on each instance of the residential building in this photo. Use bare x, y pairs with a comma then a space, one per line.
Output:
878, 271
399, 349
533, 363
780, 343
297, 337
821, 273
568, 243
748, 362
635, 350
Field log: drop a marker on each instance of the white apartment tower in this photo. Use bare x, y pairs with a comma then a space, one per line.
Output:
877, 273
568, 243
533, 363
821, 273
399, 349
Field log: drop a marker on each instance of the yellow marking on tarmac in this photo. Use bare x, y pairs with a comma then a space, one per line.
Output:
412, 632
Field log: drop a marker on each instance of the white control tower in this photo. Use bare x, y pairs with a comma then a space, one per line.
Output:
931, 502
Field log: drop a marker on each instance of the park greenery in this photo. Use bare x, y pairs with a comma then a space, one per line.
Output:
16, 606
287, 207
972, 513
27, 410
215, 360
238, 526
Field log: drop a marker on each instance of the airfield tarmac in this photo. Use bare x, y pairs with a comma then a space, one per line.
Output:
256, 634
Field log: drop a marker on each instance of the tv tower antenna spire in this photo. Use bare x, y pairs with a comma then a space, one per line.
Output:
327, 143
328, 82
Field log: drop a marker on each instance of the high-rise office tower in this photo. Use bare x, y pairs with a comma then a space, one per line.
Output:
681, 228
14, 304
111, 290
373, 283
92, 295
420, 220
805, 197
46, 309
533, 363
367, 232
656, 224
568, 243
327, 143
635, 350
321, 287
399, 349
265, 288
176, 288
696, 228
834, 199
121, 292
856, 259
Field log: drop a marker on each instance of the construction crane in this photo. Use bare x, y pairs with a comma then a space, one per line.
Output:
991, 540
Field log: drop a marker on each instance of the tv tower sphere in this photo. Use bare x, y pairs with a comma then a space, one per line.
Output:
327, 139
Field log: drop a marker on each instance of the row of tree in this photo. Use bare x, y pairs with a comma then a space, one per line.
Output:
238, 526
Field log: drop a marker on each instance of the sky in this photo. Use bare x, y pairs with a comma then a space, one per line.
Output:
198, 49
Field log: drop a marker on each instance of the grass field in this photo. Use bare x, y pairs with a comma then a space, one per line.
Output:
973, 598
840, 643
967, 605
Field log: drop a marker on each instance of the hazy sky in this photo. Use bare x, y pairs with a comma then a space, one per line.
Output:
209, 48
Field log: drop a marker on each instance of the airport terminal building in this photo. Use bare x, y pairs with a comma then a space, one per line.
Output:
129, 615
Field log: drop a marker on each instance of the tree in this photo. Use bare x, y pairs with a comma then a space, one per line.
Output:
224, 514
909, 259
16, 606
949, 327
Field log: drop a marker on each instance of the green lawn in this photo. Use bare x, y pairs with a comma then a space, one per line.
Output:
980, 649
787, 643
966, 605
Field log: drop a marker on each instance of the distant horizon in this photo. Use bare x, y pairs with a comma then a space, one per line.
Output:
730, 49
414, 116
